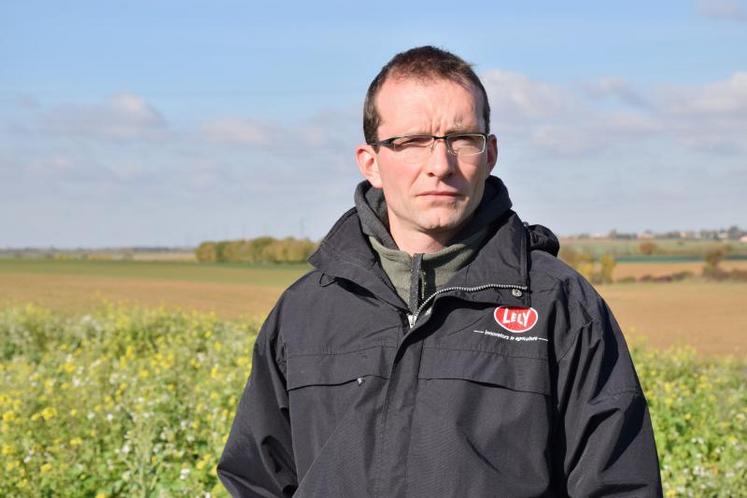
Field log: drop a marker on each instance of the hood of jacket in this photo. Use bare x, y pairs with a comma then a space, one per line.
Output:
504, 259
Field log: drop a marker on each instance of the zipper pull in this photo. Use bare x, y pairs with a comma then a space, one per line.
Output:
411, 319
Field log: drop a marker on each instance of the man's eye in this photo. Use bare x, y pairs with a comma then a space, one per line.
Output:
466, 142
415, 141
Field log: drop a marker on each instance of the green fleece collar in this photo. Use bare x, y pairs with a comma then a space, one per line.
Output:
416, 277
436, 268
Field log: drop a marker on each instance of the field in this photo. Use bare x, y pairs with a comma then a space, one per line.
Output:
705, 315
638, 269
231, 291
665, 249
122, 378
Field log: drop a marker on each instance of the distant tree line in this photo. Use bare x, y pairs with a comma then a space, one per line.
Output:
259, 250
598, 272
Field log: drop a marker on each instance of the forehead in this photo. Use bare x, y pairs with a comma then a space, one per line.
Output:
411, 105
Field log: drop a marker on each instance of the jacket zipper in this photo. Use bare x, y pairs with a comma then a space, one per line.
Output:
412, 319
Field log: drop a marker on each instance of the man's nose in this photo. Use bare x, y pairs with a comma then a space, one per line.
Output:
440, 162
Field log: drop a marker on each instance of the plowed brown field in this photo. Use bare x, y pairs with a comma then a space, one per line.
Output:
710, 316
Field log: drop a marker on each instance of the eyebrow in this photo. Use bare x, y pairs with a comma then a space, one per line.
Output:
449, 131
461, 129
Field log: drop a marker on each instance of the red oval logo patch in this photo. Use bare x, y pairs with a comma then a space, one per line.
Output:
516, 319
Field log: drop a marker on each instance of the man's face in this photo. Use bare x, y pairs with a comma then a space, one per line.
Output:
436, 195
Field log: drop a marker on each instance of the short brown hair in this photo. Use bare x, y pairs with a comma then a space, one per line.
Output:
427, 63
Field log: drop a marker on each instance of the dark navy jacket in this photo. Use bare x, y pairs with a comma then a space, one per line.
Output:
512, 381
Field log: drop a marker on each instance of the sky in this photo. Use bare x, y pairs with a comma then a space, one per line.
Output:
174, 122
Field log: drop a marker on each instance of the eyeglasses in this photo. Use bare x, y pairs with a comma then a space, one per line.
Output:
419, 146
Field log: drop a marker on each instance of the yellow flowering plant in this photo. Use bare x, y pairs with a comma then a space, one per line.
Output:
139, 402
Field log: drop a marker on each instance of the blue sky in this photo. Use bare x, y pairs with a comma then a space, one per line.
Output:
169, 123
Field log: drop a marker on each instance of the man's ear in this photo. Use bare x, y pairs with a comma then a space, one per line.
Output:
368, 164
492, 150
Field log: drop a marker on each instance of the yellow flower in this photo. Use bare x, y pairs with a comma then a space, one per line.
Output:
143, 373
9, 416
76, 441
67, 367
7, 449
46, 468
49, 413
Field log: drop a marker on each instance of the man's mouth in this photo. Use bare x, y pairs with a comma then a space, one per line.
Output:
440, 193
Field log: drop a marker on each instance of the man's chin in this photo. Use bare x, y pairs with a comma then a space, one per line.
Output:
444, 223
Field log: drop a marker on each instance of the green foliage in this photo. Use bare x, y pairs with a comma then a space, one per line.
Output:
699, 412
664, 250
648, 248
713, 257
607, 263
133, 402
118, 403
205, 252
585, 263
259, 250
713, 271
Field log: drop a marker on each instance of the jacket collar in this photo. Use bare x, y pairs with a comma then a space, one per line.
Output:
345, 253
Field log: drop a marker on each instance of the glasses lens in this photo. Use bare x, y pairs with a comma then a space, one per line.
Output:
467, 144
414, 147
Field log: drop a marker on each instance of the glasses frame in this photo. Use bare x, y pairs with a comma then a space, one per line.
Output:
389, 142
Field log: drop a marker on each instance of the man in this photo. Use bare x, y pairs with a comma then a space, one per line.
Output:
438, 348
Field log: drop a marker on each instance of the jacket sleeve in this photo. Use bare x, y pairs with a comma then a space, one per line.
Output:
606, 440
257, 460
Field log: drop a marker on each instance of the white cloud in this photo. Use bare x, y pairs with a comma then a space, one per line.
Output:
589, 118
122, 117
513, 96
568, 141
241, 131
630, 122
326, 131
616, 88
732, 10
722, 98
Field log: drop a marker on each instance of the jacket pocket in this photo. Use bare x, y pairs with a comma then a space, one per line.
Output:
512, 372
310, 369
